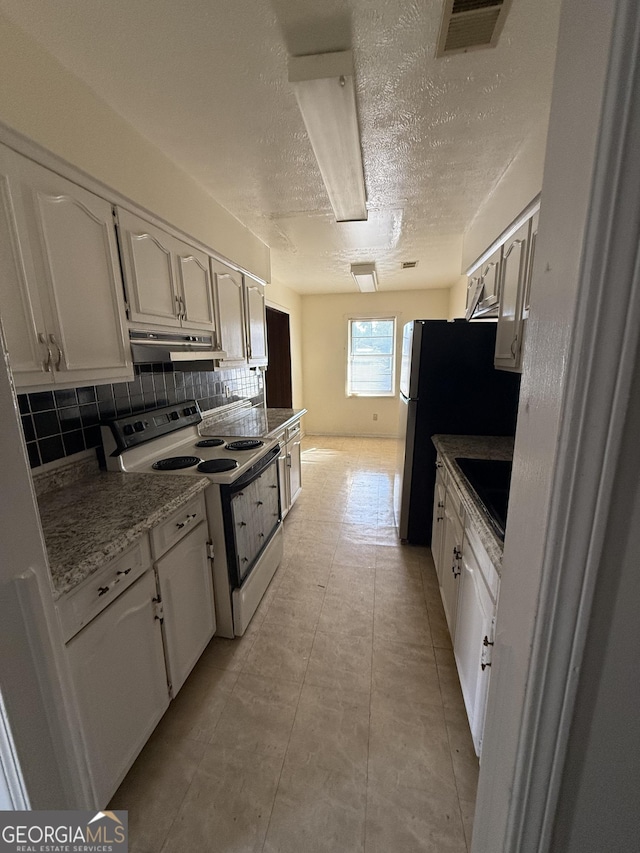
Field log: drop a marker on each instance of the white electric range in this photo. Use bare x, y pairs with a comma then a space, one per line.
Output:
243, 499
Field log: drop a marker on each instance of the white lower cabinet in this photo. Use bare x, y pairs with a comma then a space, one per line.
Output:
469, 585
290, 466
474, 640
145, 626
437, 528
186, 590
118, 669
451, 564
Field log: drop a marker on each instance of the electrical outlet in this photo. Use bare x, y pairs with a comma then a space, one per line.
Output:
375, 417
227, 391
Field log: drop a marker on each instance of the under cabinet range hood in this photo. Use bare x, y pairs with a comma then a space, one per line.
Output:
181, 350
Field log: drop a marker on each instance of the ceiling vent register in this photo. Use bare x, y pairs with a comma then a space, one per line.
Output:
471, 25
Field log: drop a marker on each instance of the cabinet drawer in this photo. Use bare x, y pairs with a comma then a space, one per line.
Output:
81, 605
171, 530
293, 431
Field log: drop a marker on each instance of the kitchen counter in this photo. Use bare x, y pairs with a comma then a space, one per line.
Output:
93, 519
475, 447
255, 423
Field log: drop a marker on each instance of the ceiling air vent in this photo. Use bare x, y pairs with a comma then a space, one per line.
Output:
470, 25
409, 265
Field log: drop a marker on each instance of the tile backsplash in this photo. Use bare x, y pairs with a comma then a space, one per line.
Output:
59, 423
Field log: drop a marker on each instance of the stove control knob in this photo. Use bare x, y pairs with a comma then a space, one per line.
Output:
175, 416
127, 429
139, 426
187, 411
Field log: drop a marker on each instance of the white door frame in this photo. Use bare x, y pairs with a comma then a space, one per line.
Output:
41, 759
600, 365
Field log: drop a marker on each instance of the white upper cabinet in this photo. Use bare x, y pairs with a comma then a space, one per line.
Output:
195, 287
168, 281
61, 299
229, 289
241, 316
512, 292
256, 322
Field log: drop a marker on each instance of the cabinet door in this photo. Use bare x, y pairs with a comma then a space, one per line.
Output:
256, 322
147, 257
452, 551
120, 682
490, 284
513, 273
533, 236
294, 464
195, 285
437, 524
79, 260
283, 481
186, 589
20, 309
231, 324
473, 624
70, 267
474, 289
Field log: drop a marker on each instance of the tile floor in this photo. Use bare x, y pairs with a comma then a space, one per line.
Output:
336, 724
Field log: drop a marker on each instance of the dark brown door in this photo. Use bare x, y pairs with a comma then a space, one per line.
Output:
278, 374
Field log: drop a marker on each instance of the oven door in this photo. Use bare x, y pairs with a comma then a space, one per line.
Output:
251, 513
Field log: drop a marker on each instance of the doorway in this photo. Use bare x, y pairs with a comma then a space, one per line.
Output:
278, 373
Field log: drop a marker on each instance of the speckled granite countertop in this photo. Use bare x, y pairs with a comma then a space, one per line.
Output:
255, 423
475, 447
93, 519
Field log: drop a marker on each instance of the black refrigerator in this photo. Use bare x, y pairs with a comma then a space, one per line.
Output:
448, 385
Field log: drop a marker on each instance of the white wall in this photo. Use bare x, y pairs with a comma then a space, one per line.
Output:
519, 184
458, 298
39, 758
573, 133
324, 353
42, 100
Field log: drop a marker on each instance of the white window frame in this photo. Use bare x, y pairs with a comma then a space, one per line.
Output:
359, 318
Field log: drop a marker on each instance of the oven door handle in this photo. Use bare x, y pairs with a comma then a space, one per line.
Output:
254, 472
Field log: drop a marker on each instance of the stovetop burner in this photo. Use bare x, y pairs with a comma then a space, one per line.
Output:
217, 466
174, 463
210, 442
245, 444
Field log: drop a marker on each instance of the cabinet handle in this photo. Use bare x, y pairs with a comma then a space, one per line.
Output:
486, 641
455, 573
46, 365
258, 503
123, 572
102, 590
514, 346
184, 308
179, 304
188, 520
59, 348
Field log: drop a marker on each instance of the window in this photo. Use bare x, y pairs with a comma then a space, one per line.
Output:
371, 360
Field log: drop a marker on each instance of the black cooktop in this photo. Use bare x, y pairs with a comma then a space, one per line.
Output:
245, 444
490, 480
217, 466
174, 463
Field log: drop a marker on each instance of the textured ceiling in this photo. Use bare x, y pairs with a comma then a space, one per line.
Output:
206, 81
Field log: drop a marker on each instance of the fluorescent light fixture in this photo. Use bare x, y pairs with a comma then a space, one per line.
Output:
365, 277
324, 87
